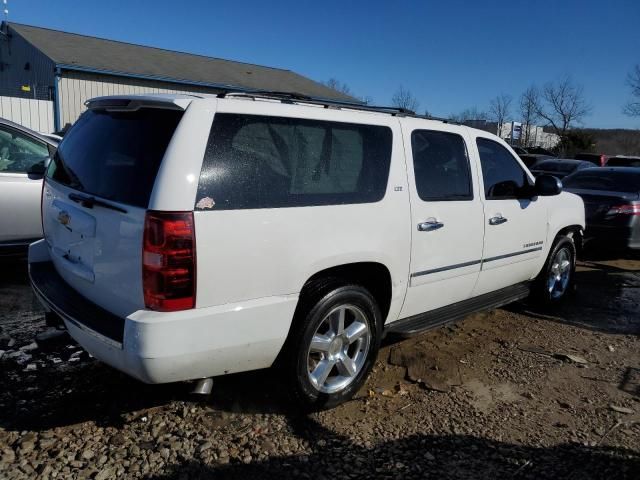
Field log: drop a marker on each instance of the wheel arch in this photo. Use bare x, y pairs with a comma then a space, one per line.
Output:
374, 276
576, 232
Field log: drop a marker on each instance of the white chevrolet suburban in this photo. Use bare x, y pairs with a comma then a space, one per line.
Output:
193, 236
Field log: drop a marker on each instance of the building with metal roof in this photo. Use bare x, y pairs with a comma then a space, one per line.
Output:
69, 68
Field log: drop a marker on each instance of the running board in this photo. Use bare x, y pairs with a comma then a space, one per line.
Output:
457, 311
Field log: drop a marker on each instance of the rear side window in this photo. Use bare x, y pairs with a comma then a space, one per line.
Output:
440, 165
115, 155
503, 176
603, 180
270, 162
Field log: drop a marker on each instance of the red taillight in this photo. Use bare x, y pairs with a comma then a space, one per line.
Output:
633, 209
169, 261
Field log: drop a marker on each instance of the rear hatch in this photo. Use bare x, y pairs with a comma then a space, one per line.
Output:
96, 194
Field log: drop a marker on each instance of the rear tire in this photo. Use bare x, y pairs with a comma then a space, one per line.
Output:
333, 344
556, 280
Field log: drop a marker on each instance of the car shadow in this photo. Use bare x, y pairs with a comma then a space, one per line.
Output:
88, 390
420, 456
607, 299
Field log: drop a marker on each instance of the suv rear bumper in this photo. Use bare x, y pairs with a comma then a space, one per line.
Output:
162, 347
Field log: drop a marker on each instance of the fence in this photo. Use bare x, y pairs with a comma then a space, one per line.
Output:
34, 114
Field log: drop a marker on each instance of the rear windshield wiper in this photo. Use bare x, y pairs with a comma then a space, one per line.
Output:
89, 202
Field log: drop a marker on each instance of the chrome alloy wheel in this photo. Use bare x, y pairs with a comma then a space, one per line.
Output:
559, 273
338, 349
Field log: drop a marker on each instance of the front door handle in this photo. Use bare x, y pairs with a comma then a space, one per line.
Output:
429, 225
497, 220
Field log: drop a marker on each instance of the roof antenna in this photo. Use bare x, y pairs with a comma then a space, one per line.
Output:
5, 11
5, 24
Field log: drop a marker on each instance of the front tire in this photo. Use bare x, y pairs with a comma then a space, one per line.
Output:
556, 280
333, 345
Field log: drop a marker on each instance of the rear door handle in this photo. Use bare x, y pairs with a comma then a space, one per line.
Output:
429, 225
497, 220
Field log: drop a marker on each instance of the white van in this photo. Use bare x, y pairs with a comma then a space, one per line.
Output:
194, 236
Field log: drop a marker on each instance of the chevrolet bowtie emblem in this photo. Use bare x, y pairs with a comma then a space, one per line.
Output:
64, 218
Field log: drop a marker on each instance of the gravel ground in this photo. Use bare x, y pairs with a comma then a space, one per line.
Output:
514, 392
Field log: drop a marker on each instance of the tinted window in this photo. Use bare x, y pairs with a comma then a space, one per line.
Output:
268, 162
440, 165
502, 175
115, 155
604, 180
20, 152
564, 167
623, 162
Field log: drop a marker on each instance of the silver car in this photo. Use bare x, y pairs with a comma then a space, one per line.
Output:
24, 155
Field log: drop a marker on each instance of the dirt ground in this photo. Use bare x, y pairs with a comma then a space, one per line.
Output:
515, 392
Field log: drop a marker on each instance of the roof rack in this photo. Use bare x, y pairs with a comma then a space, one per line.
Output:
291, 97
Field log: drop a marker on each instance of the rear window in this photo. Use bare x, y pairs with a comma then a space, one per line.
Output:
256, 161
605, 181
555, 166
115, 155
623, 162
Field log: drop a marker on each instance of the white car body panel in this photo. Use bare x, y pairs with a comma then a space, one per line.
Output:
264, 252
437, 277
503, 260
102, 257
19, 208
252, 263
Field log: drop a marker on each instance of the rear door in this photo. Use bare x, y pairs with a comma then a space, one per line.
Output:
98, 187
447, 219
20, 186
515, 222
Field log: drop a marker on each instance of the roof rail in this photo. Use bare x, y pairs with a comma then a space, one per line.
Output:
291, 97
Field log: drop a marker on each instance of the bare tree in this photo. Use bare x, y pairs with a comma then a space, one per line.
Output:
499, 110
403, 98
529, 104
345, 89
468, 114
632, 108
563, 104
338, 86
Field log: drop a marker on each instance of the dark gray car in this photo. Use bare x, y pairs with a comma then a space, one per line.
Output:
611, 198
558, 167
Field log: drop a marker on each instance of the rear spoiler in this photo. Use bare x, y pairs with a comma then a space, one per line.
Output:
132, 104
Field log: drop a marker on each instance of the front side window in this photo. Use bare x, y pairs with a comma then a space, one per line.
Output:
256, 161
19, 153
441, 166
502, 174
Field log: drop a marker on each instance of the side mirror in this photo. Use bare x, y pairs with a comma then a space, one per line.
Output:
547, 186
37, 169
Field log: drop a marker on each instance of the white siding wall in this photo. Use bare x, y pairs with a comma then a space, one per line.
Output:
34, 114
75, 88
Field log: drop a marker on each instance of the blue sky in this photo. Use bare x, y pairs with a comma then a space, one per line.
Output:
451, 54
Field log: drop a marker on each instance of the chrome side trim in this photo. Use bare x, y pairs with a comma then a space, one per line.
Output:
448, 267
507, 255
474, 262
